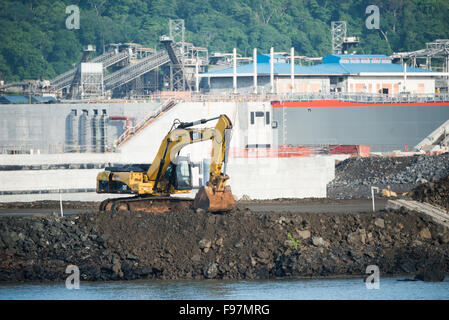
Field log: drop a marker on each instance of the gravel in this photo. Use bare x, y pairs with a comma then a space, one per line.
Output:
355, 176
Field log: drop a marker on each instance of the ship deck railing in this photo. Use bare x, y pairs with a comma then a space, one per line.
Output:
190, 96
347, 97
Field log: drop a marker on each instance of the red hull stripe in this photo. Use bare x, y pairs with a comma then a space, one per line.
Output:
337, 103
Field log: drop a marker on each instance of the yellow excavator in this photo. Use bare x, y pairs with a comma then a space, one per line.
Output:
154, 184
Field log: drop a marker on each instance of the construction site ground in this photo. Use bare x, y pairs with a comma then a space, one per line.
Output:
254, 241
259, 239
311, 205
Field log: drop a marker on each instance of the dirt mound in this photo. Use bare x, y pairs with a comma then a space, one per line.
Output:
435, 193
240, 245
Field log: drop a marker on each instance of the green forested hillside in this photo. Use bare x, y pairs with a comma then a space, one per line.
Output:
35, 43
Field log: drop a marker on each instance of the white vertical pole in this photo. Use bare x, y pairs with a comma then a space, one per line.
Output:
60, 183
234, 52
197, 80
405, 77
372, 196
292, 69
255, 69
60, 203
446, 69
272, 69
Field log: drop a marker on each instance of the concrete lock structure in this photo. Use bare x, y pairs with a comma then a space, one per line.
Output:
266, 176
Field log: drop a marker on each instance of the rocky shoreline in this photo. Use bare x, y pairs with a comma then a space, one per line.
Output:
240, 245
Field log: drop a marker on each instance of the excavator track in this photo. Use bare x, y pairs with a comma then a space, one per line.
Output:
147, 204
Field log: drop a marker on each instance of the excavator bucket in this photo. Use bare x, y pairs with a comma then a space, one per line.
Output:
214, 201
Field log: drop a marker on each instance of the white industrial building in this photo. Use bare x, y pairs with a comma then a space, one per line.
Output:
367, 74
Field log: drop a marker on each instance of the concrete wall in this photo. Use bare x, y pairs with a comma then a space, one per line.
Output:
63, 158
258, 178
26, 180
272, 178
48, 182
44, 127
144, 145
263, 178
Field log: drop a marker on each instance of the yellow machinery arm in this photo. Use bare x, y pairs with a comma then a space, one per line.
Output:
183, 135
158, 183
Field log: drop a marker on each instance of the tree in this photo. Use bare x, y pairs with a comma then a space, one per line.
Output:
35, 43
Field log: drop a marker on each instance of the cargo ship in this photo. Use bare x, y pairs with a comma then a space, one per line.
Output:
384, 126
347, 100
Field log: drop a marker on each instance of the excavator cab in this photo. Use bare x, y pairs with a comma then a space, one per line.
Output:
179, 175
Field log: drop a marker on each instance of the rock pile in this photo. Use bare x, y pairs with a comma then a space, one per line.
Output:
355, 176
239, 245
436, 193
41, 248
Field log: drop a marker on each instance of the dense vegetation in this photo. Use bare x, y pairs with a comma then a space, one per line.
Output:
35, 42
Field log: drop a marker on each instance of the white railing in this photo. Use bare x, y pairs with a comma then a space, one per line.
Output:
152, 115
190, 96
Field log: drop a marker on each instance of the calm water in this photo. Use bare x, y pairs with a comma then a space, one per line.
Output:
334, 289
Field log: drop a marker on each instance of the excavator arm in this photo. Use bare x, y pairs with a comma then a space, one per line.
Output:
158, 182
215, 196
182, 136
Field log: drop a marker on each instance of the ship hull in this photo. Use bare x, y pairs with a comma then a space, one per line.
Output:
383, 127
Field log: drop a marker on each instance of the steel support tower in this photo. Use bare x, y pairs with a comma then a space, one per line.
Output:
341, 42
